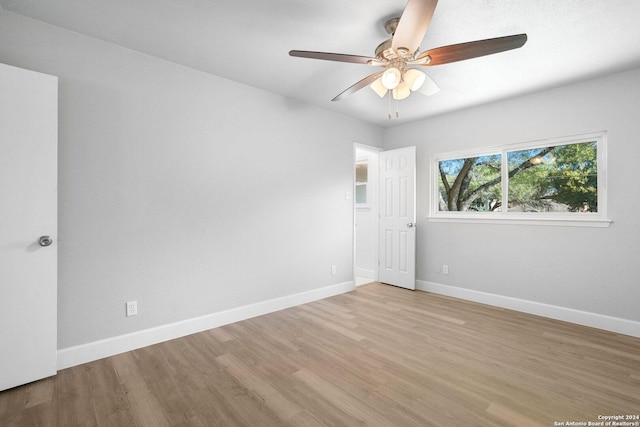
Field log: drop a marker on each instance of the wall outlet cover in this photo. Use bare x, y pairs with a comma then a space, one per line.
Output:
132, 308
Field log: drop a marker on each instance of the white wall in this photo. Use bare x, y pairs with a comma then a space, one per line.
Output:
187, 192
595, 270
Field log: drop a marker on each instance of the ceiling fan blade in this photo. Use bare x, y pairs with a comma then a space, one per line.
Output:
462, 51
356, 87
413, 24
340, 57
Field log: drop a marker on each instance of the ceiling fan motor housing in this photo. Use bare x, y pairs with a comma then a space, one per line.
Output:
384, 49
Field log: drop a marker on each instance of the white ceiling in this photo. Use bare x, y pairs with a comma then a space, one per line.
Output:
248, 41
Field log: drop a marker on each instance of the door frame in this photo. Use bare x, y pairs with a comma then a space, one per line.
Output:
373, 206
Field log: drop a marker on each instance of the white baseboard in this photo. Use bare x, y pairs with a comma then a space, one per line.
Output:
77, 355
594, 320
364, 272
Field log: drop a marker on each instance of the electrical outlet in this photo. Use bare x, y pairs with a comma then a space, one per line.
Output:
333, 270
445, 269
132, 308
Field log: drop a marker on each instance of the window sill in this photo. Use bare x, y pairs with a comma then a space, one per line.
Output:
523, 220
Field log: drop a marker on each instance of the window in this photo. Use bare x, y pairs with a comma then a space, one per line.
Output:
362, 178
470, 183
561, 180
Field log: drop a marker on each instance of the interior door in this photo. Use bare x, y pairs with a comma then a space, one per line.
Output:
397, 236
28, 211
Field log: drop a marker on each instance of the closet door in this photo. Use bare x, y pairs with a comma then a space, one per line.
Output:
28, 225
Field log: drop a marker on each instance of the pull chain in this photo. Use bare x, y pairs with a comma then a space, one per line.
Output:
389, 92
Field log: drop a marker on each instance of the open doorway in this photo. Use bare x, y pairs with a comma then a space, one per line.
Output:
365, 206
384, 240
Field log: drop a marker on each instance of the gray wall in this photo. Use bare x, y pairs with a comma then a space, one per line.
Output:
193, 194
591, 269
189, 193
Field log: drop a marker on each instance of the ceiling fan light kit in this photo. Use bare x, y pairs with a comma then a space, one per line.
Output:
401, 92
391, 78
414, 79
378, 87
399, 52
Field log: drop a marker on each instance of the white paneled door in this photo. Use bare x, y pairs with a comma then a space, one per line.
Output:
397, 237
28, 225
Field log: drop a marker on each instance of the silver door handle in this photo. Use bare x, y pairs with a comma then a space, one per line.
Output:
411, 224
45, 240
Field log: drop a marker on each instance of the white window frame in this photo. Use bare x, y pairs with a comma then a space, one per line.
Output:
583, 219
366, 184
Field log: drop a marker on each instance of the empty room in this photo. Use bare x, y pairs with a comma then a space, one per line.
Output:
294, 213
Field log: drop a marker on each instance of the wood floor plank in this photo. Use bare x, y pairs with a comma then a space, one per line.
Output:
511, 416
379, 355
146, 409
254, 381
73, 397
39, 392
341, 399
12, 404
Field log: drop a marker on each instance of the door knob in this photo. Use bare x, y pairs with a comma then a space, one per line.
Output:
411, 224
45, 240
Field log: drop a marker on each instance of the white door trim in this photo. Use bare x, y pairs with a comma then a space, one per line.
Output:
373, 206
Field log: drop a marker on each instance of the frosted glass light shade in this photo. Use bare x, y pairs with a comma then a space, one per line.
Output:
401, 91
378, 87
429, 87
414, 79
391, 78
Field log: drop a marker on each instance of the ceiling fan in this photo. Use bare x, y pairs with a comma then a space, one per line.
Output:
399, 55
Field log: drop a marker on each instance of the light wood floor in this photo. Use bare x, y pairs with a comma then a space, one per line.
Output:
379, 356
